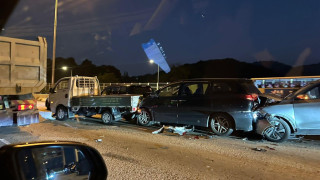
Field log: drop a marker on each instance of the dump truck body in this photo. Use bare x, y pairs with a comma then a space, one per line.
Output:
23, 65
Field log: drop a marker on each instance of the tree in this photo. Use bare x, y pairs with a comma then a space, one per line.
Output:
108, 78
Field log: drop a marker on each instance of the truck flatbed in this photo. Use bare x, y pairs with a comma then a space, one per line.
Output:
102, 101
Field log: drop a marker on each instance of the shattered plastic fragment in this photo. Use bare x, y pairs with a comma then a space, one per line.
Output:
46, 115
259, 149
98, 140
180, 130
159, 130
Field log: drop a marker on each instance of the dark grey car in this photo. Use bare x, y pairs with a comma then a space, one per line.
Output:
223, 105
297, 114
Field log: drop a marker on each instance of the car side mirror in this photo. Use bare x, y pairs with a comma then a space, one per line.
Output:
51, 160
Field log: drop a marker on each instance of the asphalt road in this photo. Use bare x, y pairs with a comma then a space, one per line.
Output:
133, 152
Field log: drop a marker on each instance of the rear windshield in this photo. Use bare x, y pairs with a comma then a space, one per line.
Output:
249, 87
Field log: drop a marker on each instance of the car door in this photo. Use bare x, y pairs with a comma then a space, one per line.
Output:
59, 94
307, 111
192, 104
165, 107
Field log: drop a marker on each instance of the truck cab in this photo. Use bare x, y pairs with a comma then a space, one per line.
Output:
68, 87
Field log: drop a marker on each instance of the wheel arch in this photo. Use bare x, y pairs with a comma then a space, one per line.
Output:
108, 109
150, 111
211, 114
287, 120
54, 110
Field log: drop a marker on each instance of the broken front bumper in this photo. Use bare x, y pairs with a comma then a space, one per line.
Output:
262, 125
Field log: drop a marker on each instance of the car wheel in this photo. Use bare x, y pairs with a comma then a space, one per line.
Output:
144, 118
61, 113
221, 124
279, 130
106, 117
47, 104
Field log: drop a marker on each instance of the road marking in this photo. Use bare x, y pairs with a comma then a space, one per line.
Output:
4, 141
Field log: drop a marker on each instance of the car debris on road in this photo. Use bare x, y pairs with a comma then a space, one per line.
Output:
178, 130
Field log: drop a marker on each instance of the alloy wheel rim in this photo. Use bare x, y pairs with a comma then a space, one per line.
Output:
106, 117
60, 113
276, 131
220, 124
144, 118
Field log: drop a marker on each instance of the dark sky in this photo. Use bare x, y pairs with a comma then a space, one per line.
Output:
111, 32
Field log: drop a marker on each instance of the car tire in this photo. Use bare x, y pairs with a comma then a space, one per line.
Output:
47, 104
144, 118
279, 130
221, 124
106, 117
61, 113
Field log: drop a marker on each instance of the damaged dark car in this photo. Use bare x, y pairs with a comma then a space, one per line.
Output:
222, 105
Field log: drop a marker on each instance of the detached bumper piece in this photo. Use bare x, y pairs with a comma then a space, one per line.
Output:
262, 125
22, 118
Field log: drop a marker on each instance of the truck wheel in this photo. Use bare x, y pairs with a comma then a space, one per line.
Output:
144, 118
106, 117
221, 124
61, 113
279, 130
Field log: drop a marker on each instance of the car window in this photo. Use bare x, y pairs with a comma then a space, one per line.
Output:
314, 93
249, 87
218, 87
168, 91
194, 89
64, 84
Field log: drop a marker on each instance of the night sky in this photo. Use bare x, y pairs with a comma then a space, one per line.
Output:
111, 32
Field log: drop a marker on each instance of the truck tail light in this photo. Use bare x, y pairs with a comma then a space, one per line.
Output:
22, 107
252, 97
134, 109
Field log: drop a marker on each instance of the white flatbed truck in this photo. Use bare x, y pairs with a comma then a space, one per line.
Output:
81, 95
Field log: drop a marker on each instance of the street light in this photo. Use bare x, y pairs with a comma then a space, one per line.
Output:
66, 68
151, 62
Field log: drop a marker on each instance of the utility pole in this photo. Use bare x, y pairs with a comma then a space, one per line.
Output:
54, 42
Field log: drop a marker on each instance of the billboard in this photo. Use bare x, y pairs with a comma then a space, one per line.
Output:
156, 53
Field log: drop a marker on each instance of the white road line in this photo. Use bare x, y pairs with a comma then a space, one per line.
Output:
4, 141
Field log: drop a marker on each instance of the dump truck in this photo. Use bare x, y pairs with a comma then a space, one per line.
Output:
81, 95
23, 65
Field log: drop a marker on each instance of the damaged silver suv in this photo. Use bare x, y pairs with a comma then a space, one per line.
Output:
297, 114
223, 105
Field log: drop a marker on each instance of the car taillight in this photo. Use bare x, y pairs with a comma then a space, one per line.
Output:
22, 107
252, 97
